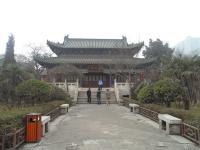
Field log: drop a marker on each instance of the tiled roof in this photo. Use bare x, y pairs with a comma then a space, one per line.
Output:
91, 60
95, 43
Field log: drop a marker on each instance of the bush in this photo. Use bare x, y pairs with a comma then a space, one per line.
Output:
11, 117
10, 76
167, 91
139, 87
59, 94
135, 90
33, 91
146, 95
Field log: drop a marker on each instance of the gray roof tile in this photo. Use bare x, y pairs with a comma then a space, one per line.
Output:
95, 43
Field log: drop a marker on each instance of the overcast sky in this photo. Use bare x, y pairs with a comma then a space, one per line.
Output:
35, 21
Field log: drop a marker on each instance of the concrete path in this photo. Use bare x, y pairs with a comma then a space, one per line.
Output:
102, 127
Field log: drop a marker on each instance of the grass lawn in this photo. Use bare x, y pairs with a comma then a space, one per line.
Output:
11, 117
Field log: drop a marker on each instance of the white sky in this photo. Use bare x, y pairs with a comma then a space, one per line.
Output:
35, 21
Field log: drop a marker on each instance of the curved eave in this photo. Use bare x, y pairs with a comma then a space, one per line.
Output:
54, 47
135, 63
44, 63
59, 48
145, 63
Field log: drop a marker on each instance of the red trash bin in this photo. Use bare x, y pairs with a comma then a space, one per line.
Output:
33, 127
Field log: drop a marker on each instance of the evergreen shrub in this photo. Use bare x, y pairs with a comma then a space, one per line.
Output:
146, 94
34, 91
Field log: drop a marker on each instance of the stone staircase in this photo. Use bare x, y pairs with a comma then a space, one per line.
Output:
82, 97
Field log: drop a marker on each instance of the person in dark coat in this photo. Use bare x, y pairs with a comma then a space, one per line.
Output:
89, 95
99, 96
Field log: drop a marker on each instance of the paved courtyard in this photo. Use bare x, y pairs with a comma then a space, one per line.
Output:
102, 127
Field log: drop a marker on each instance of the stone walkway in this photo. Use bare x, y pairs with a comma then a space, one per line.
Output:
102, 127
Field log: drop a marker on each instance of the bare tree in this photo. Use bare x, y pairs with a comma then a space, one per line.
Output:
34, 52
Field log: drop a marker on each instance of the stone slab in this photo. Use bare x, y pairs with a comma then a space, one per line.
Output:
169, 119
45, 119
64, 106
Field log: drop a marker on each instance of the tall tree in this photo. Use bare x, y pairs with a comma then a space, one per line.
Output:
158, 49
9, 55
162, 53
11, 75
186, 69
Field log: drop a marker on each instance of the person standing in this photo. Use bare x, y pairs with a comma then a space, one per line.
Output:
100, 84
108, 97
89, 95
99, 96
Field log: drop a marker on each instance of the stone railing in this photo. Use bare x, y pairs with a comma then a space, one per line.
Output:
76, 92
123, 88
53, 113
191, 133
116, 90
188, 131
71, 87
61, 85
64, 85
153, 115
12, 141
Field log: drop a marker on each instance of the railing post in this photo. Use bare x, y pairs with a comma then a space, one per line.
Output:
77, 81
3, 142
65, 86
199, 136
14, 140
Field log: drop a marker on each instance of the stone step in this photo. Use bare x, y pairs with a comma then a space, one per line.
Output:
95, 102
94, 94
85, 100
82, 97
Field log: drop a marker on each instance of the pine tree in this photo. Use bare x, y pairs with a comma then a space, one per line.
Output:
9, 55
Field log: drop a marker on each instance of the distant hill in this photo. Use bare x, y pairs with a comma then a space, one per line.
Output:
189, 45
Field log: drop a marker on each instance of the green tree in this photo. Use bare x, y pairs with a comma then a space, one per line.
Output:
11, 75
186, 69
158, 49
33, 91
36, 91
166, 91
162, 53
145, 94
9, 54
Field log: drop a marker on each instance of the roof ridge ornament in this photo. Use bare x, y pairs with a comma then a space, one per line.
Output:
124, 40
66, 38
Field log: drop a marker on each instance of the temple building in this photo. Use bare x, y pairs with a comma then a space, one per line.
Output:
95, 59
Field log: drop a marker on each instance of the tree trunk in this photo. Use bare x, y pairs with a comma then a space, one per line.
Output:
186, 105
168, 104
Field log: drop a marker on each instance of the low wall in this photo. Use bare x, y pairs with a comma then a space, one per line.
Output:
190, 132
12, 141
153, 115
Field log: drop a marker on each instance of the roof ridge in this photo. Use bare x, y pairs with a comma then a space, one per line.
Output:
91, 39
